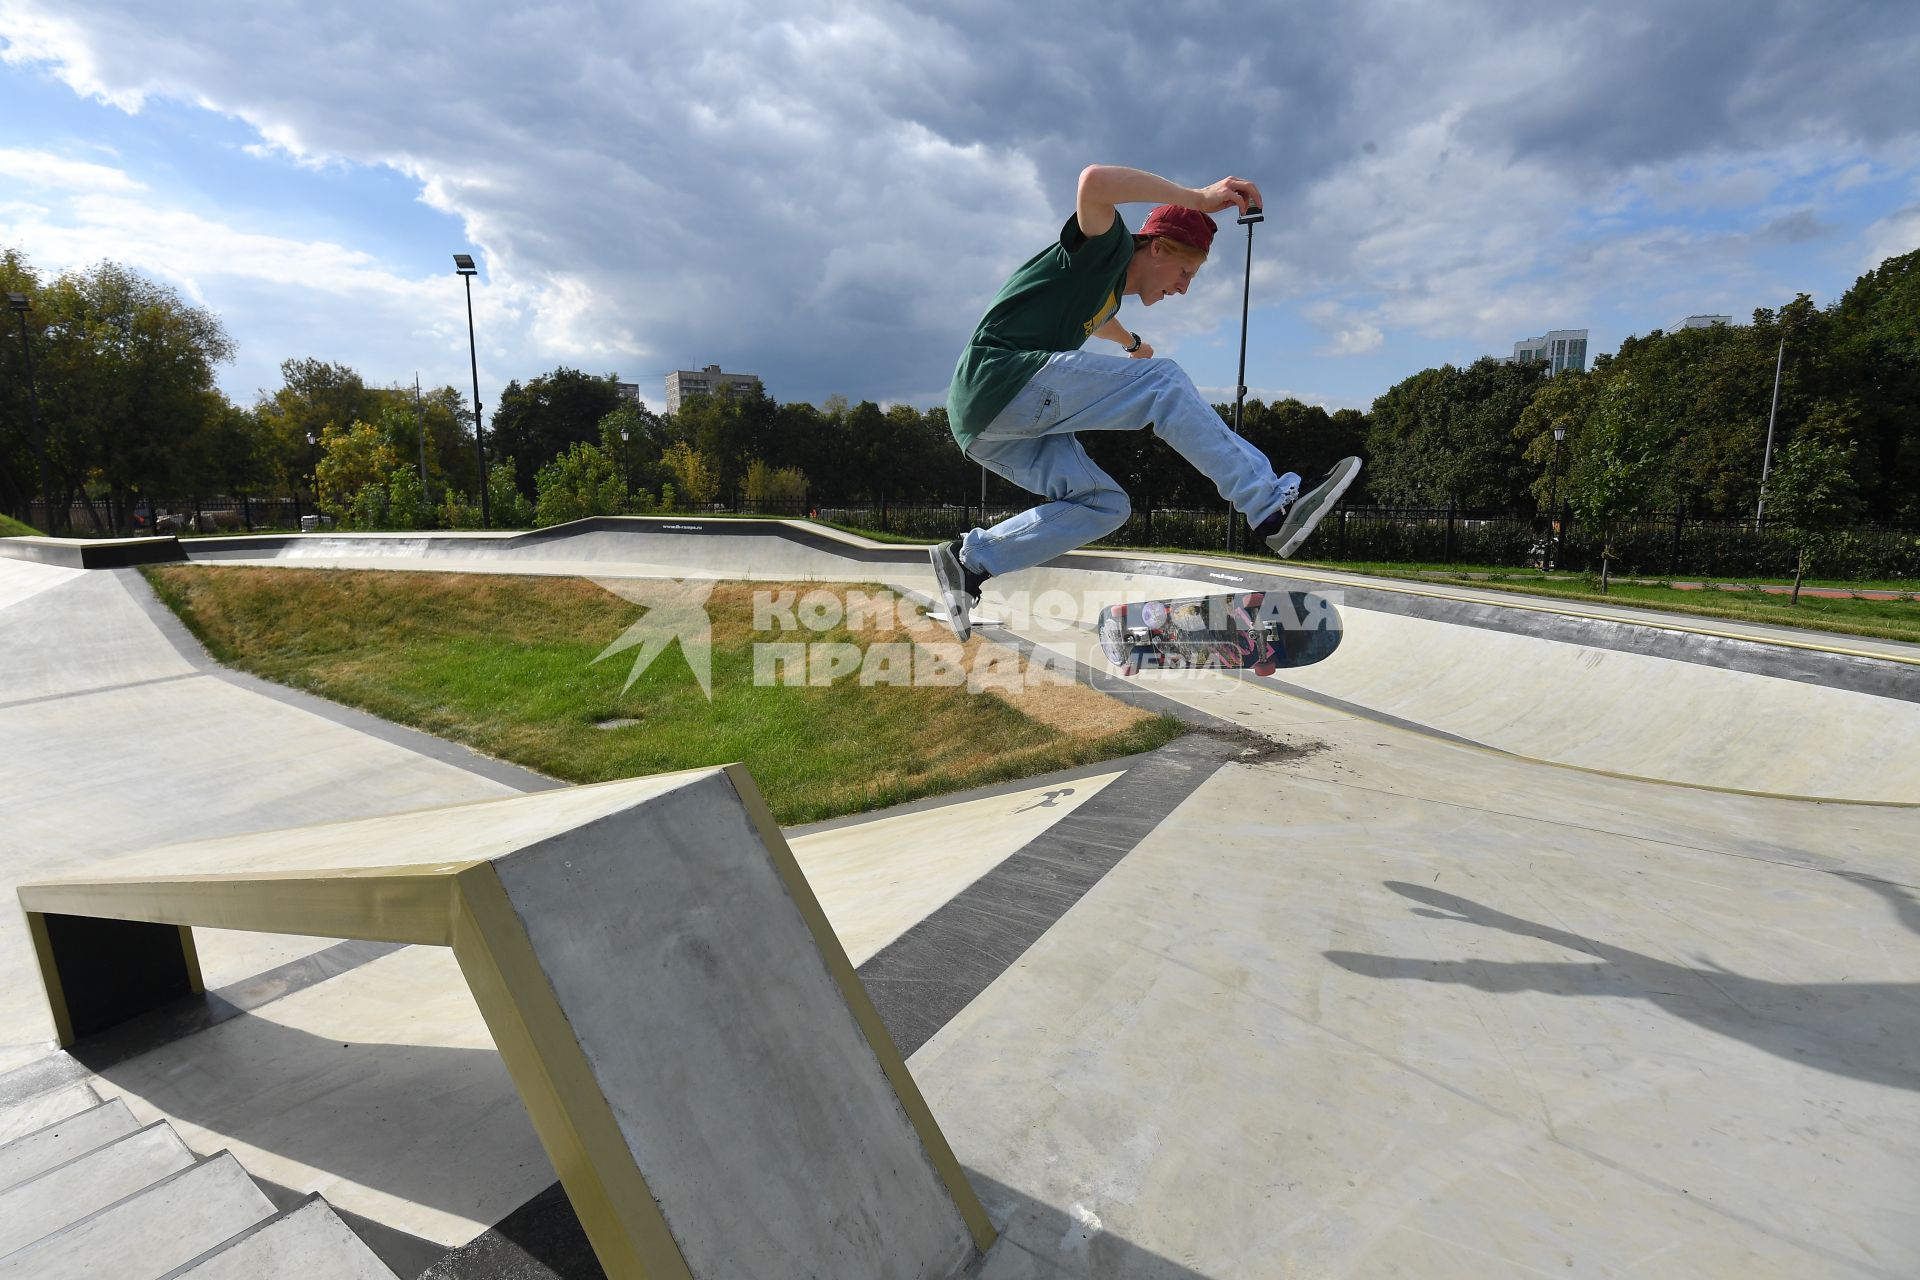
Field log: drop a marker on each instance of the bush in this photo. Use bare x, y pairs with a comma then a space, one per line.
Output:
579, 483
767, 487
368, 510
509, 507
458, 511
407, 501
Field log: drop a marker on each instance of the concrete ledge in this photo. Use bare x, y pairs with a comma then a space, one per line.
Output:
705, 1070
93, 553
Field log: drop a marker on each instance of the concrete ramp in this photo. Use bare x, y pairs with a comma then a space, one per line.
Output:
610, 546
1662, 698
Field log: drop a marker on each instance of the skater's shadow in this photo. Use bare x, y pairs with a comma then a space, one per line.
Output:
1905, 905
1867, 1030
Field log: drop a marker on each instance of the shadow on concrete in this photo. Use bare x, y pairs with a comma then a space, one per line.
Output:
542, 1240
1906, 907
431, 1125
422, 1123
1867, 1030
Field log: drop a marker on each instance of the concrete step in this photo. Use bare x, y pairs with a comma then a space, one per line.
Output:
306, 1242
69, 1192
42, 1109
150, 1232
32, 1154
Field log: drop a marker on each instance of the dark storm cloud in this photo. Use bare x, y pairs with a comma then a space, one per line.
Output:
1646, 83
828, 194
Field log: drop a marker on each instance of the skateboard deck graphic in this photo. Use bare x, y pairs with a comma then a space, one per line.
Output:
1258, 631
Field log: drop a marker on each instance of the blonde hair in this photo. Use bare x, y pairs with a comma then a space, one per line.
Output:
1178, 248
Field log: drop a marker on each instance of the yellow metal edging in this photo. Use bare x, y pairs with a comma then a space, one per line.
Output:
50, 979
575, 1122
932, 1140
373, 904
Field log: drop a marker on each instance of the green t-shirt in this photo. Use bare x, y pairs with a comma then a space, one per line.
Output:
1054, 302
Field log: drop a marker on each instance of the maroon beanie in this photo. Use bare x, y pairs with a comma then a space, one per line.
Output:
1189, 226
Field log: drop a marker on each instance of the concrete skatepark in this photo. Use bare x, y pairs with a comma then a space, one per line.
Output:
1516, 938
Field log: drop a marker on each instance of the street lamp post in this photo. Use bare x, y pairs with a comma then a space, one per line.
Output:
1553, 510
463, 263
626, 471
20, 304
1247, 219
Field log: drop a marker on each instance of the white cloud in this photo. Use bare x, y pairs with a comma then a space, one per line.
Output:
1897, 234
49, 172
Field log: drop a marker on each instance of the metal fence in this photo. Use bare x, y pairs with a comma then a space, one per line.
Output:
105, 518
1673, 544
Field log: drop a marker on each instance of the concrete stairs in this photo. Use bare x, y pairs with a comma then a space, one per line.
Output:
86, 1191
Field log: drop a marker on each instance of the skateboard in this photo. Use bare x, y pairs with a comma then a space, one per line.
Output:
1257, 631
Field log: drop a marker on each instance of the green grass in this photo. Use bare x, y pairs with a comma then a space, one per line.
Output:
11, 528
505, 665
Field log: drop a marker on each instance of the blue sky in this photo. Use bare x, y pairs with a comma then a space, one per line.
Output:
829, 195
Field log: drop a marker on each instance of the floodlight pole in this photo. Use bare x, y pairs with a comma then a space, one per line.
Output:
1247, 219
464, 265
1766, 460
420, 425
20, 304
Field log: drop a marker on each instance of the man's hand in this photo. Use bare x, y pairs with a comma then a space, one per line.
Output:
1235, 193
1114, 331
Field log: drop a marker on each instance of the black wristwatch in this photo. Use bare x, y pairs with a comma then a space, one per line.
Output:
1136, 344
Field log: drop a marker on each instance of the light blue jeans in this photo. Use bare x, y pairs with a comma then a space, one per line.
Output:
1032, 444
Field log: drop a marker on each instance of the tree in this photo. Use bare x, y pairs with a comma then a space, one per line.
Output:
126, 377
765, 486
1447, 435
407, 505
1611, 478
638, 454
1564, 403
352, 477
729, 428
1810, 494
695, 479
19, 440
584, 481
1875, 356
313, 395
1300, 437
536, 423
511, 510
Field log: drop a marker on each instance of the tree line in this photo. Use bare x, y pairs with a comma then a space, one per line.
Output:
129, 406
1677, 420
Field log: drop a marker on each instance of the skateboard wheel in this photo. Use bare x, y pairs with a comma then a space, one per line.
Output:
1264, 668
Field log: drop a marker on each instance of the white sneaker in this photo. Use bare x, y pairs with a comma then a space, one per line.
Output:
1307, 510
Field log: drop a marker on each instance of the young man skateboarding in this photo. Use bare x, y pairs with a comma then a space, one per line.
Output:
1023, 387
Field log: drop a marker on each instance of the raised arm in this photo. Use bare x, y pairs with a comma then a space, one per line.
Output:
1103, 186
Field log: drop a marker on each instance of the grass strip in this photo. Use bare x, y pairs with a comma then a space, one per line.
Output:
507, 666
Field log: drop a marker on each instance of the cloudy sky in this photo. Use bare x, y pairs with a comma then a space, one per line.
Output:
827, 194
